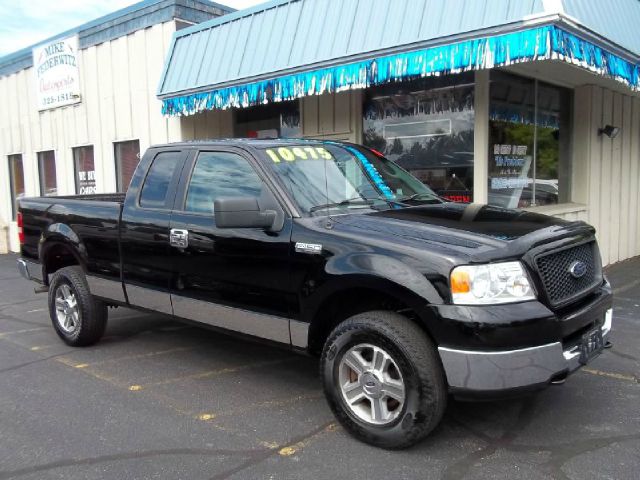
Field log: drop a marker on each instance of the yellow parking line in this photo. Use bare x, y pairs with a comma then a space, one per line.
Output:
214, 373
281, 402
617, 376
134, 357
206, 416
37, 348
294, 448
27, 330
209, 417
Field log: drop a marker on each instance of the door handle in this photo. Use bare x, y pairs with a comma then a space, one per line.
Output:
179, 238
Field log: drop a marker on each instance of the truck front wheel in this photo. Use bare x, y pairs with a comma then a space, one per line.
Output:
383, 379
78, 318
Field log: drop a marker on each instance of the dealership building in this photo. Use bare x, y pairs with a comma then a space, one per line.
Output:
522, 104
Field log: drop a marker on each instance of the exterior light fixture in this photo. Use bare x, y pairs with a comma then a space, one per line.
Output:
610, 131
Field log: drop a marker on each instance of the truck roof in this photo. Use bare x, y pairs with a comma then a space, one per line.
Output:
246, 142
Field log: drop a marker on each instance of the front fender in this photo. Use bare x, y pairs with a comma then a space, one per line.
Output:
387, 270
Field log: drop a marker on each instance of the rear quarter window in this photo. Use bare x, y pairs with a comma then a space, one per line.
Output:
156, 185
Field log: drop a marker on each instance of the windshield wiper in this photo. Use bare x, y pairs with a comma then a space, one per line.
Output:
416, 196
343, 203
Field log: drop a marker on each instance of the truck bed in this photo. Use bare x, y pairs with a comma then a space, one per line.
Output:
90, 220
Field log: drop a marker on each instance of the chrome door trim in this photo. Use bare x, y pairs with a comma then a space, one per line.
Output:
155, 300
106, 288
269, 327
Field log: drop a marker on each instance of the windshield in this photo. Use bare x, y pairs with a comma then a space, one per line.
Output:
320, 177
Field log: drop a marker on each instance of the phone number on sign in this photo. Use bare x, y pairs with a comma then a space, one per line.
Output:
63, 97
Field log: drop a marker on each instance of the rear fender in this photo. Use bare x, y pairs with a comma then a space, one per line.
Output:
60, 234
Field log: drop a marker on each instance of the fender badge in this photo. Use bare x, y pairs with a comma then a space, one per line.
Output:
312, 248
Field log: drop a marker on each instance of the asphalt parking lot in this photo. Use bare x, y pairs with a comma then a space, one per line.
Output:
160, 399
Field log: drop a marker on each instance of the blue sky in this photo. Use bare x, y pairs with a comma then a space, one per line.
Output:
26, 22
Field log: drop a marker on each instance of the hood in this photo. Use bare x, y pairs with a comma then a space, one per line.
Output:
483, 232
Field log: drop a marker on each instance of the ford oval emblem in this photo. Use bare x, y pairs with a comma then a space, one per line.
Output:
577, 269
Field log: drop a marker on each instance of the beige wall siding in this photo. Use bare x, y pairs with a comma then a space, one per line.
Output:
208, 124
606, 172
118, 81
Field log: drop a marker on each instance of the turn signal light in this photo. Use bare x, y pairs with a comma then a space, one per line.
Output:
460, 282
20, 228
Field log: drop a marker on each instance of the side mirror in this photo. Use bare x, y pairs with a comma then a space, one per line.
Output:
242, 212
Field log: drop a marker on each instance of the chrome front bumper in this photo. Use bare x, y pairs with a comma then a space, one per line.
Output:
506, 370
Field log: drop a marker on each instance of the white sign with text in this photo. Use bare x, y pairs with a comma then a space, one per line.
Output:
57, 75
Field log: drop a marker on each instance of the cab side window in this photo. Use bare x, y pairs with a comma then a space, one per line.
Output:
220, 174
156, 186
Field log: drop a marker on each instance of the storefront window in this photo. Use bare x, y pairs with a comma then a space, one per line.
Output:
275, 120
127, 155
530, 142
85, 170
16, 182
47, 169
426, 127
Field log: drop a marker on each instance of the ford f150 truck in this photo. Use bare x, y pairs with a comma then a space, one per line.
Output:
330, 249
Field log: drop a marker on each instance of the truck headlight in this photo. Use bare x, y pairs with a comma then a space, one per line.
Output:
505, 282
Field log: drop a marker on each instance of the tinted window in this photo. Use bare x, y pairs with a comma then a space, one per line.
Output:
220, 174
156, 185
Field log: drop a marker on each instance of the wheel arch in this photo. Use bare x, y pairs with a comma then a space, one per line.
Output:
362, 294
60, 247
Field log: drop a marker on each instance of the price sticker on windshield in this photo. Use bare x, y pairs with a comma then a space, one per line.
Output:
291, 154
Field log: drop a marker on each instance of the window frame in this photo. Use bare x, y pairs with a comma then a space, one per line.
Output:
169, 200
189, 168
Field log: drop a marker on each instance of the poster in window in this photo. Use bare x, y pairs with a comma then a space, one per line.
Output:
85, 170
57, 76
509, 169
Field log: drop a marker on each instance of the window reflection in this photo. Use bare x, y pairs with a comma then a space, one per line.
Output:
156, 185
529, 131
426, 126
220, 174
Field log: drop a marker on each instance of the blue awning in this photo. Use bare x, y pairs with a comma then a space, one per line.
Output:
542, 43
287, 49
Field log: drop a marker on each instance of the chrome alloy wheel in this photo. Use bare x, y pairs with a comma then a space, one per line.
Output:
67, 310
371, 384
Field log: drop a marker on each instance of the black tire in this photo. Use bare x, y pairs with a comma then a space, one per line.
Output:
416, 358
92, 313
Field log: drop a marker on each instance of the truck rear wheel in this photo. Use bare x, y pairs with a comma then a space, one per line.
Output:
383, 379
78, 318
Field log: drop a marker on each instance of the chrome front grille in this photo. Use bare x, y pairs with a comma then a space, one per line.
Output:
555, 269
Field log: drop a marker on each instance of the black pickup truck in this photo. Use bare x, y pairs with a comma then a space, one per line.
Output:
330, 249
